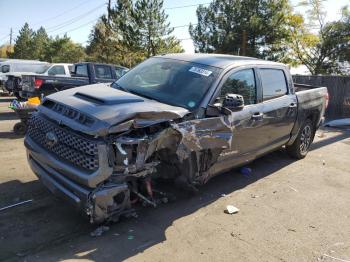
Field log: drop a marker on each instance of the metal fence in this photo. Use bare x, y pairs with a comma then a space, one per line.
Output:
339, 93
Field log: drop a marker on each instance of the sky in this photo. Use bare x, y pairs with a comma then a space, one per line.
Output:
76, 18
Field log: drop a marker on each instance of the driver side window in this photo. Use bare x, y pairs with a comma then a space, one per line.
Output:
241, 83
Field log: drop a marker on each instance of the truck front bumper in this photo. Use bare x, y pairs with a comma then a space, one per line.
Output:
98, 203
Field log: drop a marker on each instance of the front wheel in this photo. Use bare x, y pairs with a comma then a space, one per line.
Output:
20, 128
302, 143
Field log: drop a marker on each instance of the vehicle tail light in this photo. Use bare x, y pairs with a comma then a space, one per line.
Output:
38, 83
327, 99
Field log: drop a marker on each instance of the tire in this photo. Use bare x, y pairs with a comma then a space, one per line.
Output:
20, 128
19, 98
302, 143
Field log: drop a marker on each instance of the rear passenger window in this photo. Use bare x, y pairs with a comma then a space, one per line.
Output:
81, 70
241, 83
273, 82
103, 71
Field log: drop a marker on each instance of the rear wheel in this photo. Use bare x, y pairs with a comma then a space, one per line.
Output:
19, 98
301, 145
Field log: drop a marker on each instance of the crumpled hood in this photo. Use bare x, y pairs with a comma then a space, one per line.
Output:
110, 107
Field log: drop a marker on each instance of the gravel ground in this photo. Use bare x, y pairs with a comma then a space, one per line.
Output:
289, 211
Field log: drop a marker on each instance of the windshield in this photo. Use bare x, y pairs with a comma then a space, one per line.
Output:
169, 81
42, 69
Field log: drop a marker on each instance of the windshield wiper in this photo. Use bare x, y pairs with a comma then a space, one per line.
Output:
143, 95
120, 87
133, 92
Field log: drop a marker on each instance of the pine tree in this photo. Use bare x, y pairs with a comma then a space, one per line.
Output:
40, 43
153, 28
131, 33
64, 50
23, 43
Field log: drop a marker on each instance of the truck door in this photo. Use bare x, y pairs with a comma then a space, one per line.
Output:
246, 123
279, 108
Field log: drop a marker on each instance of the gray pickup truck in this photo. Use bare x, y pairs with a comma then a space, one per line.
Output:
184, 118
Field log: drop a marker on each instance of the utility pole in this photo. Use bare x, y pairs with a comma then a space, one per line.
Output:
11, 36
244, 42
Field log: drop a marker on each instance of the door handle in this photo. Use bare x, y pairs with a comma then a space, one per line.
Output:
257, 116
292, 105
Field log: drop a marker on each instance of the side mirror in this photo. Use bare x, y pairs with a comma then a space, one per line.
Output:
233, 102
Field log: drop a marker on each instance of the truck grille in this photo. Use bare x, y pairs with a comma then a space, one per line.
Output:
74, 149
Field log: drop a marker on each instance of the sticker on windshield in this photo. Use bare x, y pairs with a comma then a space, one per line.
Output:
200, 71
191, 104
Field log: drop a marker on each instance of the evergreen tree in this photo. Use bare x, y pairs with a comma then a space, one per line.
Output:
23, 43
130, 33
251, 27
153, 28
64, 50
102, 46
40, 44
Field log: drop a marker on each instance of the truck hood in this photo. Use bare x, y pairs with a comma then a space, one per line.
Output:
112, 110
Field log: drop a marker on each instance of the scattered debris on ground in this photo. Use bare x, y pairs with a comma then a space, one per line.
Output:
246, 171
17, 204
99, 231
231, 209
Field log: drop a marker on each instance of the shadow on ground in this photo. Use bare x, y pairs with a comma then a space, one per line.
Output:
10, 135
6, 99
48, 222
8, 116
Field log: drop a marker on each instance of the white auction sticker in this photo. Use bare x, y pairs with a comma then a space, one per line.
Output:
200, 71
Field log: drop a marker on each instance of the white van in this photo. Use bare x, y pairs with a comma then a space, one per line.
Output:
18, 65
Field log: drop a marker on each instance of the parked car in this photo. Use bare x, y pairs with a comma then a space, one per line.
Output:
82, 74
181, 117
14, 79
18, 65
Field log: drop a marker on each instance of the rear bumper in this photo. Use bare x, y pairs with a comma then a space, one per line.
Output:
28, 94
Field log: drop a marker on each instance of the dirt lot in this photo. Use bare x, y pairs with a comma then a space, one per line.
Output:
289, 211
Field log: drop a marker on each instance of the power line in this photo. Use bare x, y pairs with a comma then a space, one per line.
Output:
72, 20
184, 6
78, 27
61, 14
3, 38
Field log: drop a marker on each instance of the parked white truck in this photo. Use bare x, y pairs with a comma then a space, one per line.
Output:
14, 79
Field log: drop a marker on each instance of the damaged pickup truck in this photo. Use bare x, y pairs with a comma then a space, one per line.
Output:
184, 118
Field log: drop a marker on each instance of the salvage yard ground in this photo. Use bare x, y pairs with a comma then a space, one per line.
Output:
289, 211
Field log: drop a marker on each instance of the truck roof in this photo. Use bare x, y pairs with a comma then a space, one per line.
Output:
96, 63
219, 60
